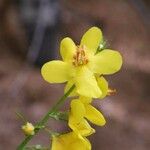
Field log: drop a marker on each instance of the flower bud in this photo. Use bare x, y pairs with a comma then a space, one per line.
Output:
28, 129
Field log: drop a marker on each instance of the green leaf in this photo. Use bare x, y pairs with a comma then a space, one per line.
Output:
103, 45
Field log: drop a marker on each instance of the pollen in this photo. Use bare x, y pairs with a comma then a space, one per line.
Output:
80, 57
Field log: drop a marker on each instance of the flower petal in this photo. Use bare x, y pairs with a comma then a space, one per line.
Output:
86, 83
85, 100
80, 128
88, 144
103, 85
67, 49
70, 141
92, 38
95, 116
106, 62
82, 143
56, 71
77, 109
57, 143
69, 84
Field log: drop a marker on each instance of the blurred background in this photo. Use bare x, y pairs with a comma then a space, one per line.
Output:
30, 33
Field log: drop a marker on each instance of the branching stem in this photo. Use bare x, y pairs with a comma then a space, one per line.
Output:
54, 109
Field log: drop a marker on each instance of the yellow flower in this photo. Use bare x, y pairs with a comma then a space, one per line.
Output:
81, 63
28, 129
70, 141
81, 109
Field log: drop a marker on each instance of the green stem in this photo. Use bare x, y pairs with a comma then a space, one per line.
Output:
54, 109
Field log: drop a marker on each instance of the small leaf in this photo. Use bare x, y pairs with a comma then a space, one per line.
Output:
103, 45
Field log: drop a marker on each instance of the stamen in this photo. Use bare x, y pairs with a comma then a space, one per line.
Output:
80, 57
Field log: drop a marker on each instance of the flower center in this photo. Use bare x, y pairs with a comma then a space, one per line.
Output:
80, 57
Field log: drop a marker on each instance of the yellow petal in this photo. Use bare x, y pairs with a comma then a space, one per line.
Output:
80, 128
67, 49
70, 141
77, 110
82, 144
106, 62
57, 143
92, 38
69, 84
56, 71
95, 116
85, 100
103, 85
86, 83
88, 144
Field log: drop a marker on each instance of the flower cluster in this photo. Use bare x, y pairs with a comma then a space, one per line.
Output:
83, 66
